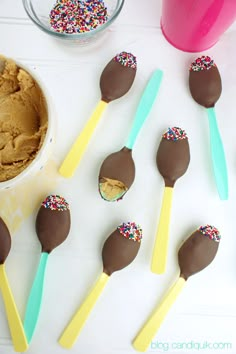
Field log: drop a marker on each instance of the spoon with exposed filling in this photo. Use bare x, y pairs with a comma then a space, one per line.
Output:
15, 325
205, 88
52, 228
119, 250
117, 171
172, 159
197, 252
115, 81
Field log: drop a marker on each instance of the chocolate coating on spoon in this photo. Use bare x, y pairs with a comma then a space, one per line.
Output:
173, 155
198, 251
5, 241
118, 166
121, 247
118, 76
53, 222
205, 81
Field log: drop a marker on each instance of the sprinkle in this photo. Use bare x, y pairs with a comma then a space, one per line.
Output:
77, 16
131, 231
175, 134
55, 202
211, 232
202, 63
126, 59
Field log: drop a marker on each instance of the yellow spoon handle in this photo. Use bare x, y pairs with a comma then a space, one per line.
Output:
74, 327
77, 150
160, 251
16, 328
149, 330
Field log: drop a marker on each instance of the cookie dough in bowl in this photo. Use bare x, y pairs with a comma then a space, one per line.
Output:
25, 122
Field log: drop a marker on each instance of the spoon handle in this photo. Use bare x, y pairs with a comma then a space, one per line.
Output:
145, 105
218, 156
159, 255
77, 150
150, 328
74, 327
35, 298
16, 328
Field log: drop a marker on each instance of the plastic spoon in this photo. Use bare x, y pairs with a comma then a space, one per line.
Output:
116, 80
205, 88
52, 227
117, 171
119, 250
173, 158
197, 252
15, 325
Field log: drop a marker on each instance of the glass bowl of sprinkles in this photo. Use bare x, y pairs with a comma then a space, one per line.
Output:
77, 21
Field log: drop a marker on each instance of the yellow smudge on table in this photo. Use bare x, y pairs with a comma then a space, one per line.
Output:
19, 202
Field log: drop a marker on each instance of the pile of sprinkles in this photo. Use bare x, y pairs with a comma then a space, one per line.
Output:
55, 202
126, 59
202, 63
175, 134
131, 231
211, 232
77, 16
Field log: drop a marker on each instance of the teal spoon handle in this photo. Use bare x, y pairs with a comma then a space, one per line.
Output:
35, 298
218, 156
145, 105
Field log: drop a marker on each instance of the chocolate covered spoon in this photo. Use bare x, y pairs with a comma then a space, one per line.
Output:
173, 158
15, 325
52, 227
197, 252
116, 80
117, 171
119, 250
205, 88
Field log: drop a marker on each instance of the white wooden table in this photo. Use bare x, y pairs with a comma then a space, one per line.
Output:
206, 309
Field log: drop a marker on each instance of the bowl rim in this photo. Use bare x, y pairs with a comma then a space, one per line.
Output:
49, 133
71, 36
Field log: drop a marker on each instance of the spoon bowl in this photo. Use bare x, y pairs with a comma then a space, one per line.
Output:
116, 175
198, 251
173, 157
205, 82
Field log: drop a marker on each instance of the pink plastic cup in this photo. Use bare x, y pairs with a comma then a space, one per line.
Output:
196, 25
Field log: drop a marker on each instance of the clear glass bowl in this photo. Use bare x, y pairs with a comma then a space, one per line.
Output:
39, 10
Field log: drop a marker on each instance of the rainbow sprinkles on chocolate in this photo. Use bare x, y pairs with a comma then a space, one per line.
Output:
175, 134
202, 63
126, 59
131, 231
55, 202
211, 232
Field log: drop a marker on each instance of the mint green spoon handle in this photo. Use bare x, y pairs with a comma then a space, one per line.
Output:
218, 156
145, 105
35, 298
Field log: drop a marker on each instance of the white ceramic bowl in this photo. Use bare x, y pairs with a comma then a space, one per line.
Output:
44, 153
